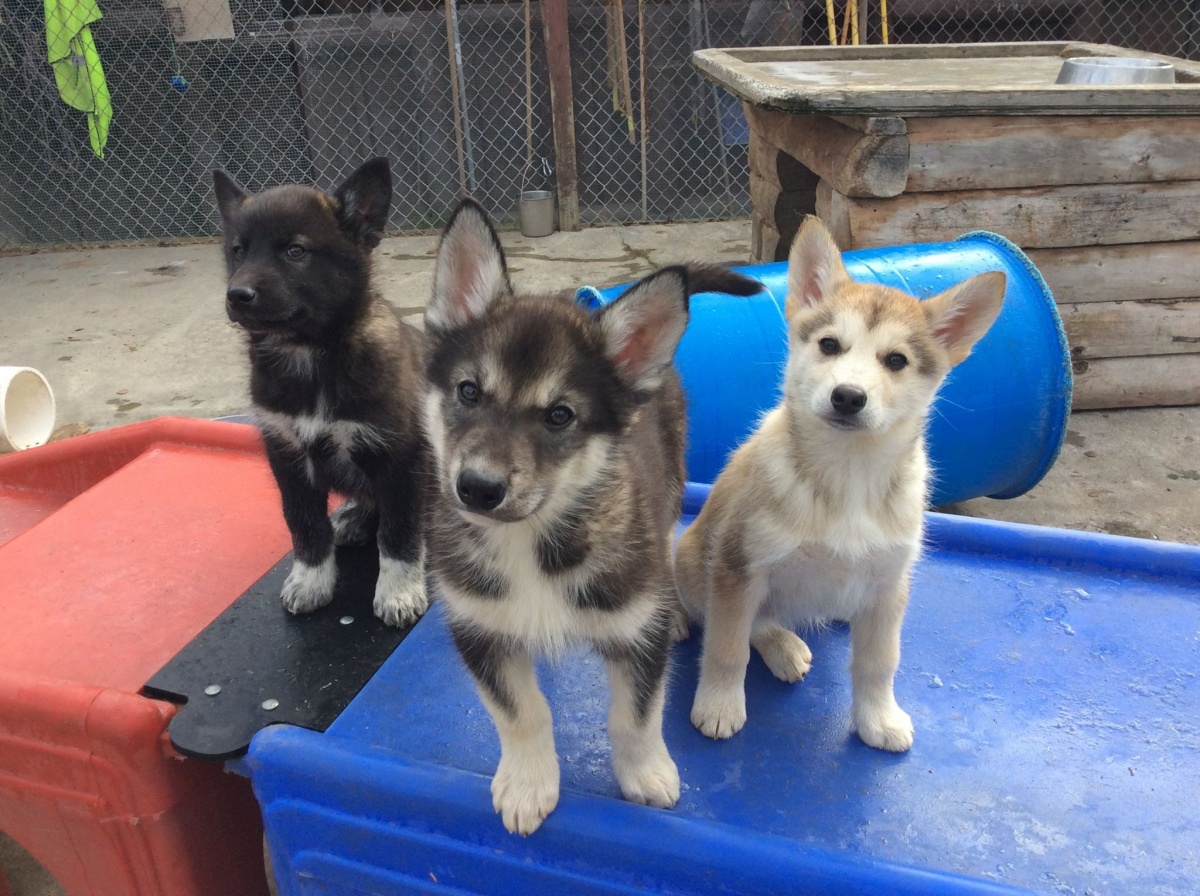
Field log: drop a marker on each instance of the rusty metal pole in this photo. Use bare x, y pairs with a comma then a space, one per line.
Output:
555, 25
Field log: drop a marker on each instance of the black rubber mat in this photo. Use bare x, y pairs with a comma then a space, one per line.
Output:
258, 665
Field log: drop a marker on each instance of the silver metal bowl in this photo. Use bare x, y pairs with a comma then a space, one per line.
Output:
1115, 70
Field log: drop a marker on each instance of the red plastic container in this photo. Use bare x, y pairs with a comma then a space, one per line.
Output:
116, 549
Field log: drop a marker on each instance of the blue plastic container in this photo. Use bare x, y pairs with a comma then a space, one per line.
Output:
1050, 675
1000, 417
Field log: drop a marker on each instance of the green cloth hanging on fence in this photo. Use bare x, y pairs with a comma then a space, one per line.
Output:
76, 62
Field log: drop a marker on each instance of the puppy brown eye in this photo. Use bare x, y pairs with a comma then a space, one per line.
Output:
468, 392
895, 361
829, 346
238, 252
295, 250
559, 416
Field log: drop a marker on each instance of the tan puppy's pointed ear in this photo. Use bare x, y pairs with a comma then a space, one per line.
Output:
962, 314
815, 268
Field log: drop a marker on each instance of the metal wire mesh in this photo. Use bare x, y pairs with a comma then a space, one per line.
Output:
455, 92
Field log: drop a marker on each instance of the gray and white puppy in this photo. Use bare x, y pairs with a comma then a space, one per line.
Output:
557, 438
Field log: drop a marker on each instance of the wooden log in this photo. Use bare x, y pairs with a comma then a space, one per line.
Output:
857, 164
833, 208
1159, 381
1115, 273
1129, 329
995, 152
1033, 217
556, 27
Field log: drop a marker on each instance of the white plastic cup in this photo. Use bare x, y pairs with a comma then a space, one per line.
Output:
26, 409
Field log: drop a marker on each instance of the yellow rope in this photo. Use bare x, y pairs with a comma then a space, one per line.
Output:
883, 23
831, 19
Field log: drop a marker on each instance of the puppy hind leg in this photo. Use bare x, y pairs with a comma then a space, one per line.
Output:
525, 786
784, 651
355, 522
637, 682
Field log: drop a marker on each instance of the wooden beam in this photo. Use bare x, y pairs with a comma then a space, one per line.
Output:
997, 152
1161, 381
1098, 330
854, 163
556, 27
1116, 273
1033, 218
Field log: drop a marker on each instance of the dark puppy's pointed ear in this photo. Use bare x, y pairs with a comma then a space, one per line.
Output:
470, 272
643, 327
230, 194
364, 201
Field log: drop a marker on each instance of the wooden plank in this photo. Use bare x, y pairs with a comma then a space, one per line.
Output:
992, 152
854, 163
1114, 273
938, 80
1129, 329
556, 27
1160, 381
1033, 217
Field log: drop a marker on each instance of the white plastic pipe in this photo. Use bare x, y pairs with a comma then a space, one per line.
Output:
26, 409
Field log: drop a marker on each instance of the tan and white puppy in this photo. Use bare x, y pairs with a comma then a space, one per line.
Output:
819, 515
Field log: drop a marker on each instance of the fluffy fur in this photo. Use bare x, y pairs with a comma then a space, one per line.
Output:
819, 515
558, 445
335, 380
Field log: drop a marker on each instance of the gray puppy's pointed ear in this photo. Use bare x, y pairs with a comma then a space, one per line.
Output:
470, 272
643, 327
365, 200
230, 194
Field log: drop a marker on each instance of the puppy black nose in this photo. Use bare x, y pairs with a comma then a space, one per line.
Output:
848, 400
241, 295
480, 491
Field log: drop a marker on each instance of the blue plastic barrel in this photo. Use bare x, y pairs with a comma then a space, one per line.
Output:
1000, 417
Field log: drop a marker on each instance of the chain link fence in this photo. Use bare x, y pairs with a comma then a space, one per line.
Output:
113, 141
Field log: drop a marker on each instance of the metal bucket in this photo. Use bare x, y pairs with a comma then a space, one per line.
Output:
1000, 417
535, 209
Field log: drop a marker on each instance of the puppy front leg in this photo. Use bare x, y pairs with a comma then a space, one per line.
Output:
309, 585
400, 596
637, 683
874, 658
525, 786
719, 710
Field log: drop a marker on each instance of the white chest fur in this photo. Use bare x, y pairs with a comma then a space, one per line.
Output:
537, 609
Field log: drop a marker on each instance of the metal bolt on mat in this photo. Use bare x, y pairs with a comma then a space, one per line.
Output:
270, 704
346, 620
212, 690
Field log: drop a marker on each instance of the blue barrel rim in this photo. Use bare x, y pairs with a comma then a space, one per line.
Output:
1067, 378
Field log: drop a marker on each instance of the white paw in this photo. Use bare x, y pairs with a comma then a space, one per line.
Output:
309, 588
400, 596
719, 713
525, 791
884, 728
351, 524
786, 654
653, 781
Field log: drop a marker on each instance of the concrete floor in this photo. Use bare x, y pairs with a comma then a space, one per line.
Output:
128, 334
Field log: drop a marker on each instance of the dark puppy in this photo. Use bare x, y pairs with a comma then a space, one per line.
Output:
335, 380
558, 444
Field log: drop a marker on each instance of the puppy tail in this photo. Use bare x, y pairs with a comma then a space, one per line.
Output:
703, 277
